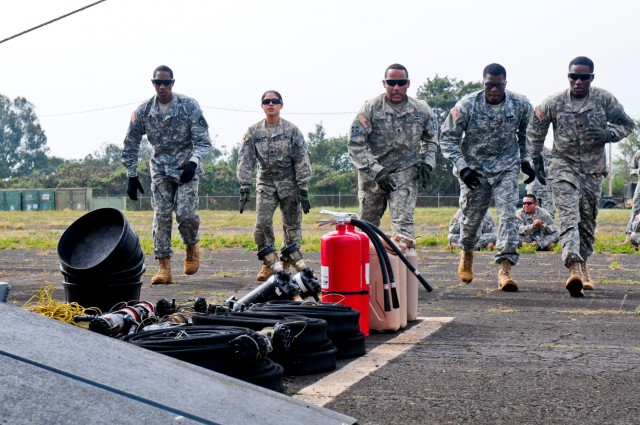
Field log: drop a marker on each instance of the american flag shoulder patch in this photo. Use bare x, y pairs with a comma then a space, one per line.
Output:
134, 116
364, 121
539, 115
455, 114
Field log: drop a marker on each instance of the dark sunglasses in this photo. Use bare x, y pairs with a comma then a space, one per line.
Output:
275, 101
528, 203
162, 82
581, 77
393, 83
494, 85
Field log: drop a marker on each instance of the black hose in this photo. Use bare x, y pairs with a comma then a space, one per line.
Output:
413, 270
374, 238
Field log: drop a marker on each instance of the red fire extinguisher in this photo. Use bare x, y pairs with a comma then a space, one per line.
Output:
342, 270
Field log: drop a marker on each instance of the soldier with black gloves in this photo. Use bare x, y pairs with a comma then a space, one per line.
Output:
179, 135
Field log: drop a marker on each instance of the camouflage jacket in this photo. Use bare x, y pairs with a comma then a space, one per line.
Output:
282, 158
526, 222
381, 138
572, 152
474, 136
487, 226
181, 136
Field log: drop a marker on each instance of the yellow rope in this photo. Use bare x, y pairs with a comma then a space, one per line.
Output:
44, 304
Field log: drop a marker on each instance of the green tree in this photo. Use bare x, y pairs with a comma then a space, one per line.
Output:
626, 149
442, 93
23, 144
331, 169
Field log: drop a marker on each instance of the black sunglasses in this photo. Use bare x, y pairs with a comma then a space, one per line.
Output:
275, 101
394, 83
582, 77
162, 82
528, 203
494, 85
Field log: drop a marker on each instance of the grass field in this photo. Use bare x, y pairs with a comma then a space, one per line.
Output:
42, 230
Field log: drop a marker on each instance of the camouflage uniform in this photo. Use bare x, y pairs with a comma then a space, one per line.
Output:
494, 145
487, 230
542, 192
396, 141
544, 237
283, 168
577, 165
635, 209
635, 231
177, 138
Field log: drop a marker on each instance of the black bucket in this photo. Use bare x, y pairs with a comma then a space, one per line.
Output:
104, 297
100, 241
127, 276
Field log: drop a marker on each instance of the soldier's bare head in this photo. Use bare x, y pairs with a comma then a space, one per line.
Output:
163, 83
580, 76
396, 82
495, 82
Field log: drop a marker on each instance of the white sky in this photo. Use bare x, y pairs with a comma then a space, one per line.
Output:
324, 56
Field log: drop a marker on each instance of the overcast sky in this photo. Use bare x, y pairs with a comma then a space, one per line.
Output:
86, 73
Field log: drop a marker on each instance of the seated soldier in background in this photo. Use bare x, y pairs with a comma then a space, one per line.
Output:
537, 228
487, 238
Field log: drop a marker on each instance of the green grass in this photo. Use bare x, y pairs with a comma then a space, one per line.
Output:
229, 229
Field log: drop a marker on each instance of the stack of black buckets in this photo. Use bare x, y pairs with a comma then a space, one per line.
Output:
101, 260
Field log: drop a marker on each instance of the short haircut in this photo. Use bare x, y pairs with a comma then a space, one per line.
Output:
396, 66
494, 69
582, 60
530, 195
163, 68
278, 95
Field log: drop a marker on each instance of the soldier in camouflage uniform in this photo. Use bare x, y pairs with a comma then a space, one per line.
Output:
537, 227
393, 142
584, 120
284, 170
635, 209
179, 135
484, 137
542, 192
634, 237
487, 232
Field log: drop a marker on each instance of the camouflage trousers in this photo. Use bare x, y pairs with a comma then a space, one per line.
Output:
167, 197
291, 219
402, 204
635, 209
540, 238
577, 211
474, 205
484, 240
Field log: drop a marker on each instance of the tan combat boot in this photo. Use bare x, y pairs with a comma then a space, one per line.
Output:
587, 283
465, 267
454, 246
551, 246
192, 259
164, 273
504, 277
574, 283
263, 274
490, 246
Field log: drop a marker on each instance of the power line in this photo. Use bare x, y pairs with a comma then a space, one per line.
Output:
288, 113
92, 110
51, 21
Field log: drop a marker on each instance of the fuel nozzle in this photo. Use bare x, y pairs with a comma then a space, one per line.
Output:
120, 322
308, 284
292, 255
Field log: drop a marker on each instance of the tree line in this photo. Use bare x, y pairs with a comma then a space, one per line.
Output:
25, 161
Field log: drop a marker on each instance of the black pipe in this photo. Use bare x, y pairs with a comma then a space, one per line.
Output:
413, 270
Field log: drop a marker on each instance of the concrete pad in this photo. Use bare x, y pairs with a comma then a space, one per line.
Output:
53, 372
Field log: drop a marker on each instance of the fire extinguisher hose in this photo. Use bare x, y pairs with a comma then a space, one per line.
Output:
399, 253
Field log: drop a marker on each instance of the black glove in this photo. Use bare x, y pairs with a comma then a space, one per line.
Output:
304, 200
538, 163
384, 183
598, 134
470, 178
618, 117
188, 172
133, 187
244, 197
526, 168
425, 173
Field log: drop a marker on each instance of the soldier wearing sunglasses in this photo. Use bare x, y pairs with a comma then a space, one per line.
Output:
179, 135
537, 228
280, 151
485, 138
393, 143
584, 120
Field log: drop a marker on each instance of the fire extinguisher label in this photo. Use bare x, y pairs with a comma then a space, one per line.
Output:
366, 273
324, 277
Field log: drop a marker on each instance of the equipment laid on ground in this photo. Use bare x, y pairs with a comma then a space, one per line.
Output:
120, 322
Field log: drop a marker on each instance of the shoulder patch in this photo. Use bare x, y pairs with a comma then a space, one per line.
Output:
364, 121
538, 114
455, 114
134, 116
